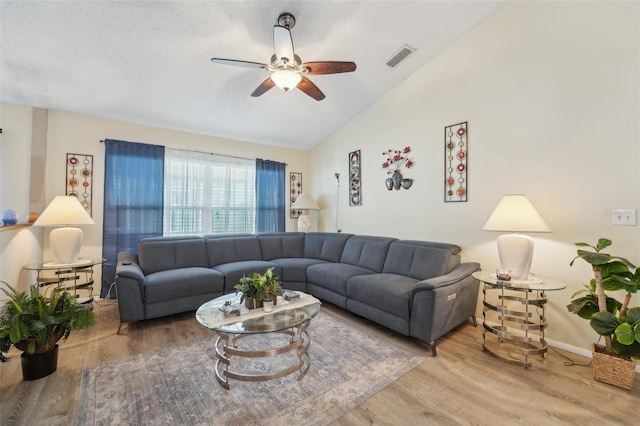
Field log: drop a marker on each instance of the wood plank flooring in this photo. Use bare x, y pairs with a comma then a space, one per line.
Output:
462, 385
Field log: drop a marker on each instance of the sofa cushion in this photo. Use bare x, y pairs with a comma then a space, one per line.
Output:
420, 260
281, 245
184, 282
334, 276
165, 253
367, 252
233, 271
295, 269
225, 249
324, 245
386, 292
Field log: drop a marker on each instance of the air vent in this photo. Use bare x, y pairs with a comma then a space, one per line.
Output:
400, 55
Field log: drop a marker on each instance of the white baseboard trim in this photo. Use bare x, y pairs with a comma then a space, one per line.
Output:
566, 347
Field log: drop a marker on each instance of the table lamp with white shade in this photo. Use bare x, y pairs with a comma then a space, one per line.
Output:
66, 241
305, 203
515, 213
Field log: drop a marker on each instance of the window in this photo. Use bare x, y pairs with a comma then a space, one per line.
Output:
208, 194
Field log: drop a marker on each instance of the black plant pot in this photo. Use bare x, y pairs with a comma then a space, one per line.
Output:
38, 366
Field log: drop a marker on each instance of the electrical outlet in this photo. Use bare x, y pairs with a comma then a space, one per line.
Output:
623, 217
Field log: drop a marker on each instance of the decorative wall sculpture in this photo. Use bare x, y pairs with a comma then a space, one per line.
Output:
79, 179
394, 160
456, 153
355, 179
295, 185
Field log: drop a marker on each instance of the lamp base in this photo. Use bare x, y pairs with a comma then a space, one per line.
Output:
305, 223
515, 252
65, 244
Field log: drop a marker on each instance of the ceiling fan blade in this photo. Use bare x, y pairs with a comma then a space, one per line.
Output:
283, 44
245, 64
310, 89
329, 67
264, 86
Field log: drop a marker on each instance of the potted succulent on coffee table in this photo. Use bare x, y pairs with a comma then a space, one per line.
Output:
619, 324
35, 322
257, 287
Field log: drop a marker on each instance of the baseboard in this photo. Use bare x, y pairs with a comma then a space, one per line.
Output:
566, 347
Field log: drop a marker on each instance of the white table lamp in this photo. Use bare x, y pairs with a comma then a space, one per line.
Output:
515, 213
305, 203
65, 240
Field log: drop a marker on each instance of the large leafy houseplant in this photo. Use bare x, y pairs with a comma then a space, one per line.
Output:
614, 320
35, 322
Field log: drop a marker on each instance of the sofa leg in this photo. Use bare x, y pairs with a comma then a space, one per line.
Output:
432, 345
119, 327
475, 321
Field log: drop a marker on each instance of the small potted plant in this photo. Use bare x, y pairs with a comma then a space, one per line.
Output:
257, 287
615, 321
35, 322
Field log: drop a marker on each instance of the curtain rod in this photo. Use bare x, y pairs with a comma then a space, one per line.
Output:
204, 152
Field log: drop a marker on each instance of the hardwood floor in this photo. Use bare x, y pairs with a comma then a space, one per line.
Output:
462, 385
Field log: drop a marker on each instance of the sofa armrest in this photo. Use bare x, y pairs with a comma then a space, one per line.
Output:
459, 273
130, 281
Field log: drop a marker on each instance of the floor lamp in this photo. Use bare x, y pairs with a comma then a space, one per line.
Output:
65, 240
515, 213
305, 203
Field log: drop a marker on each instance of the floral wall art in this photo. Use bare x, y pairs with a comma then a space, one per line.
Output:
455, 162
295, 185
355, 179
393, 163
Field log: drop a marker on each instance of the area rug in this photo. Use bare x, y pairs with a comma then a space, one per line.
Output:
176, 384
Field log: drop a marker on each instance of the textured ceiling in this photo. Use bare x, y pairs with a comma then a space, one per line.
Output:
148, 62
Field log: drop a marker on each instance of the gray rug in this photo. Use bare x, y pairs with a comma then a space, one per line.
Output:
176, 384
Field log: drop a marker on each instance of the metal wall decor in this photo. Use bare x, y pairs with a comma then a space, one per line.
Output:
456, 153
79, 180
295, 185
355, 179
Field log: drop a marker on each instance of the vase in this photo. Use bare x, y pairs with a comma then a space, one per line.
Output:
267, 305
389, 183
613, 369
396, 178
39, 365
406, 183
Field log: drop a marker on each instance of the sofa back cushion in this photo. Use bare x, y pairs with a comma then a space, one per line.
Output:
162, 253
367, 252
421, 259
325, 245
232, 248
281, 245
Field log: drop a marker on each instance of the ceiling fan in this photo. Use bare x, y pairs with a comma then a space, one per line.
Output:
287, 69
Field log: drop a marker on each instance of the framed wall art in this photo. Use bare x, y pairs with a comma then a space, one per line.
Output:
355, 179
456, 154
295, 185
79, 180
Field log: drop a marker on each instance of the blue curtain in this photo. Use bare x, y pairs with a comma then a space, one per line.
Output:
270, 196
133, 200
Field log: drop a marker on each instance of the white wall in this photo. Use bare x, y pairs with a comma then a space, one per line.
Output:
551, 94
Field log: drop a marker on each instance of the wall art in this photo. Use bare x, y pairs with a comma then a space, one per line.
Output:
456, 154
295, 185
79, 181
355, 178
394, 161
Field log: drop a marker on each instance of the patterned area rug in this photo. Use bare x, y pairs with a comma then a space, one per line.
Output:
176, 384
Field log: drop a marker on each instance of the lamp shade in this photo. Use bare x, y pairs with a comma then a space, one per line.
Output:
515, 213
64, 210
305, 202
285, 79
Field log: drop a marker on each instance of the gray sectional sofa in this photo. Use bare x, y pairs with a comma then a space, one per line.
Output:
416, 288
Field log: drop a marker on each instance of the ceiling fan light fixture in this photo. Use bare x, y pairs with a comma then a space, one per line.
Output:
286, 79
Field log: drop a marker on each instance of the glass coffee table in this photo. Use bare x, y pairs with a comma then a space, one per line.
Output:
290, 317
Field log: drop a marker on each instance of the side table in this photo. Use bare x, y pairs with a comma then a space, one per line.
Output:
72, 276
514, 319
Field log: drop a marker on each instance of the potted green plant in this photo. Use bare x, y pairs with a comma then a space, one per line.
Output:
257, 287
35, 322
614, 320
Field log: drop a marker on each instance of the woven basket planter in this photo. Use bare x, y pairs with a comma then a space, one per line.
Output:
612, 369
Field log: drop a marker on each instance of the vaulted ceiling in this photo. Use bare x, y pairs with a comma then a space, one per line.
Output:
148, 62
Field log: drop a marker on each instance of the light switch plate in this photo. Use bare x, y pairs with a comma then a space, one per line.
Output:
623, 217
